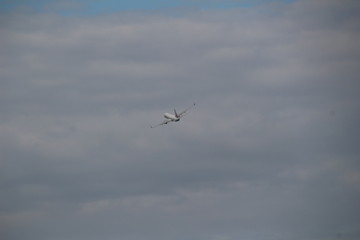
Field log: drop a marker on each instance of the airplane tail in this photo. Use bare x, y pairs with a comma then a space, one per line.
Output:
176, 114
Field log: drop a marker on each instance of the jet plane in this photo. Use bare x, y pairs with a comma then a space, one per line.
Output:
173, 117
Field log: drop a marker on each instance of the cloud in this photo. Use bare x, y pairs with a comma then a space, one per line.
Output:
269, 152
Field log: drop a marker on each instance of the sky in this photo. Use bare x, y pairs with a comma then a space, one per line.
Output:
91, 7
269, 152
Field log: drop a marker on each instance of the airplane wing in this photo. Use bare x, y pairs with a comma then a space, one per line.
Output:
183, 112
160, 124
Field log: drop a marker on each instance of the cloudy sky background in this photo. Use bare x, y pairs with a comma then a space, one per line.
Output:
271, 150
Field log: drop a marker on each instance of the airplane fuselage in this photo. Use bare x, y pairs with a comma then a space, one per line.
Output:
171, 117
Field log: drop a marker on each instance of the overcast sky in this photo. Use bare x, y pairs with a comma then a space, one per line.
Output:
270, 152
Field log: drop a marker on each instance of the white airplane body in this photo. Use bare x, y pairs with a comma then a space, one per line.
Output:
173, 117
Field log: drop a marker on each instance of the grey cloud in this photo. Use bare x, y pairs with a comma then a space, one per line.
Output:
269, 152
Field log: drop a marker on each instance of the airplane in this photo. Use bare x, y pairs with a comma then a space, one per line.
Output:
173, 117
